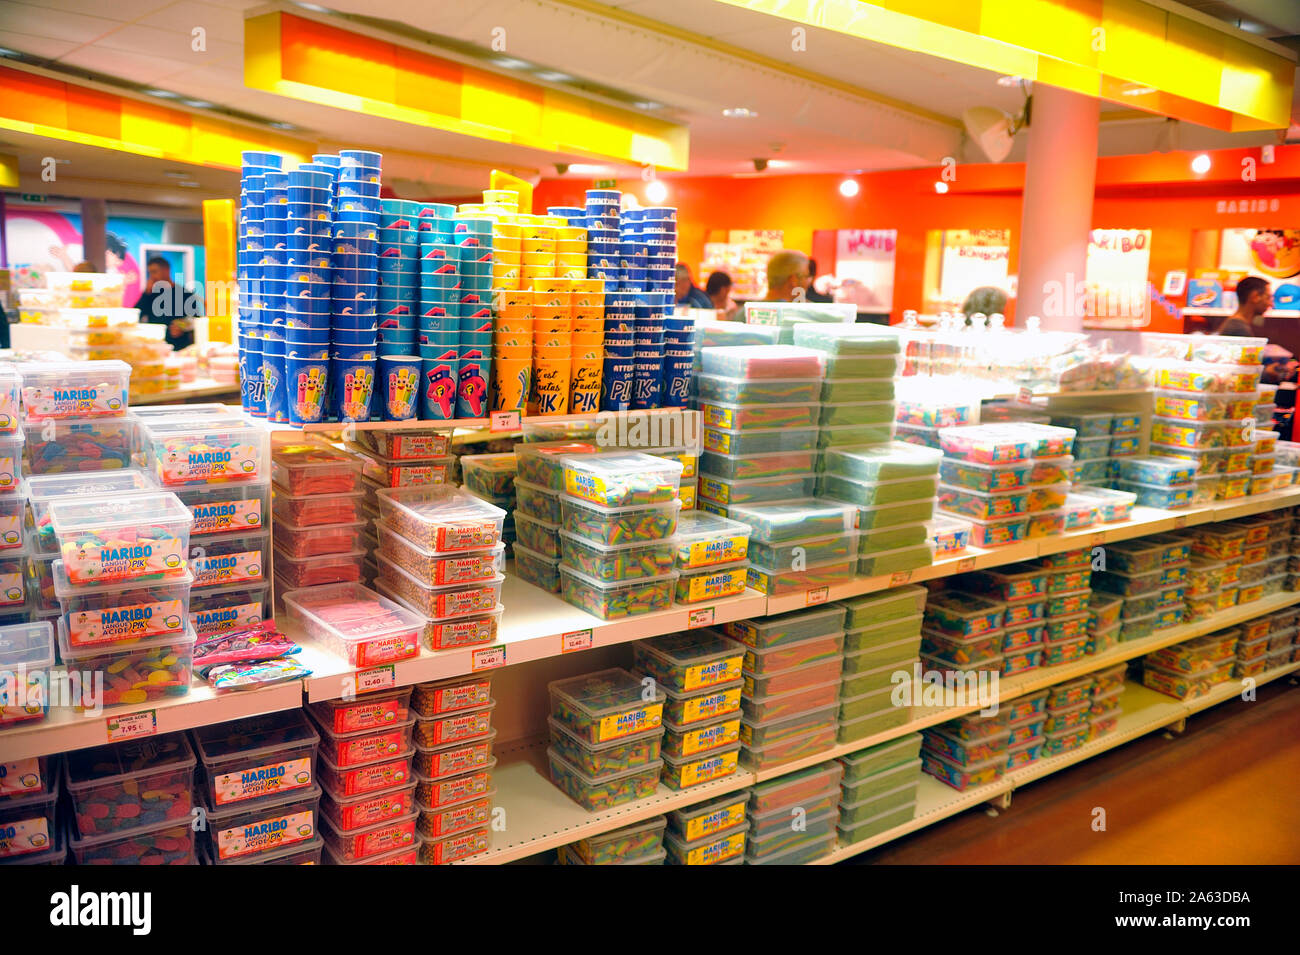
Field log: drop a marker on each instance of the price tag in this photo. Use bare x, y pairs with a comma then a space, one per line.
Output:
818, 595
703, 617
1180, 521
966, 563
504, 421
575, 640
1025, 397
380, 678
1098, 538
488, 658
132, 725
902, 577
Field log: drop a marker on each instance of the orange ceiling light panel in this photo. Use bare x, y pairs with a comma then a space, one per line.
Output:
41, 104
328, 65
1148, 54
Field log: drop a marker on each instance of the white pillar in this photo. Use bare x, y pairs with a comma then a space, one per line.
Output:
1056, 218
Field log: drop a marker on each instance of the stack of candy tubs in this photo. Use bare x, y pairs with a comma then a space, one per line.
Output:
606, 738
692, 664
131, 802
972, 750
1106, 703
1225, 544
772, 840
708, 833
882, 636
1022, 588
31, 833
790, 684
641, 843
220, 468
1010, 480
1068, 716
1206, 389
1193, 668
761, 412
356, 624
1150, 576
441, 557
878, 790
1165, 481
366, 778
1104, 440
618, 545
963, 632
861, 363
799, 545
258, 785
39, 542
539, 483
312, 482
893, 487
123, 587
1262, 572
405, 458
711, 557
27, 649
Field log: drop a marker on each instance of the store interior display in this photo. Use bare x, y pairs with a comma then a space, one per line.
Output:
636, 443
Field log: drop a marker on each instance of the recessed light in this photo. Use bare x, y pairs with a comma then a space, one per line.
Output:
648, 104
656, 191
739, 112
188, 184
1139, 90
940, 186
161, 94
849, 188
279, 125
551, 76
1201, 164
510, 63
197, 103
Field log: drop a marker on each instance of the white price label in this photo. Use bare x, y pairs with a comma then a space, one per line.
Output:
575, 640
1180, 521
966, 563
487, 658
504, 421
1098, 538
902, 577
1025, 397
132, 725
380, 678
818, 595
703, 617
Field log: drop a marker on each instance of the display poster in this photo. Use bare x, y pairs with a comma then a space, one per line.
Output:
864, 268
971, 259
1117, 285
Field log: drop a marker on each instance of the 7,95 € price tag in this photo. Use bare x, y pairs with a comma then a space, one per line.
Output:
132, 725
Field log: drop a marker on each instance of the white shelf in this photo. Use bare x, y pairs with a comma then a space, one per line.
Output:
1145, 520
1143, 711
64, 729
202, 388
532, 628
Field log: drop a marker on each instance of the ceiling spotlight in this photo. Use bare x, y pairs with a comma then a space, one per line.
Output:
1201, 164
739, 112
656, 191
188, 184
197, 103
552, 76
14, 54
1010, 80
510, 63
849, 188
940, 186
279, 125
161, 94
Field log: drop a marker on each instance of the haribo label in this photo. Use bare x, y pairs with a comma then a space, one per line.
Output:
226, 516
262, 780
116, 623
74, 402
24, 835
228, 568
89, 563
266, 834
716, 821
184, 461
721, 551
21, 777
226, 618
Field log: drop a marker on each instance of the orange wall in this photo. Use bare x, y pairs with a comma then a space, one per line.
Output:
1156, 191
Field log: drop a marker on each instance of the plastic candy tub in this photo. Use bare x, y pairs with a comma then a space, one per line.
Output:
74, 389
621, 479
538, 536
1021, 661
596, 795
764, 361
969, 652
890, 605
601, 760
721, 388
705, 540
963, 615
999, 533
890, 462
1157, 471
711, 848
707, 820
132, 784
539, 503
618, 562
983, 506
263, 756
791, 748
486, 475
686, 771
808, 550
776, 582
1013, 582
122, 538
629, 845
372, 778
1113, 506
362, 747
440, 569
1105, 610
606, 705
1024, 635
1216, 378
612, 526
312, 467
611, 601
781, 464
537, 569
987, 444
357, 624
1056, 743
871, 493
702, 706
137, 672
788, 681
975, 476
28, 831
712, 583
759, 441
369, 711
121, 613
687, 662
185, 453
680, 741
440, 602
962, 777
733, 416
851, 435
895, 561
965, 752
788, 628
266, 826
441, 519
725, 490
161, 843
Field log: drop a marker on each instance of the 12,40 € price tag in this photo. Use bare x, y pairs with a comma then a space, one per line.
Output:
487, 658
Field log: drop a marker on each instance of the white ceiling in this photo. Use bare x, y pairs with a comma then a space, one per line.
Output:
840, 105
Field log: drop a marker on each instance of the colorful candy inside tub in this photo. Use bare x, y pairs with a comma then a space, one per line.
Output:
131, 784
441, 519
122, 538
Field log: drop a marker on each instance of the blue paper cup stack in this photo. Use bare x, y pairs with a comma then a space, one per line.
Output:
399, 276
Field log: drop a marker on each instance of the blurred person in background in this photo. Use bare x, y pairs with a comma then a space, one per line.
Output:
689, 295
1254, 298
161, 304
718, 288
787, 277
811, 294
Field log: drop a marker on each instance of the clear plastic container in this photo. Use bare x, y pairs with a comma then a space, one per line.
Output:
309, 467
808, 550
42, 490
686, 771
231, 559
132, 784
270, 824
787, 628
29, 833
486, 475
780, 464
74, 389
982, 505
962, 614
406, 445
161, 843
261, 756
878, 516
795, 520
537, 569
939, 412
625, 479
68, 445
796, 390
1217, 378
386, 472
712, 583
373, 778
231, 507
1089, 424
775, 582
998, 533
596, 795
759, 440
709, 819
705, 540
629, 845
1173, 432
762, 362
962, 777
846, 412
1151, 495
717, 848
439, 602
318, 540
756, 490
1113, 506
687, 662
618, 562
701, 706
1157, 471
139, 672
1201, 406
441, 519
186, 453
122, 538
685, 741
1091, 449
440, 569
121, 613
789, 681
619, 525
974, 476
26, 648
294, 573
734, 416
949, 535
357, 624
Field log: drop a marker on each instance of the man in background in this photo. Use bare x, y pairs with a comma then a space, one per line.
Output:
160, 304
688, 294
1254, 298
787, 277
811, 294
